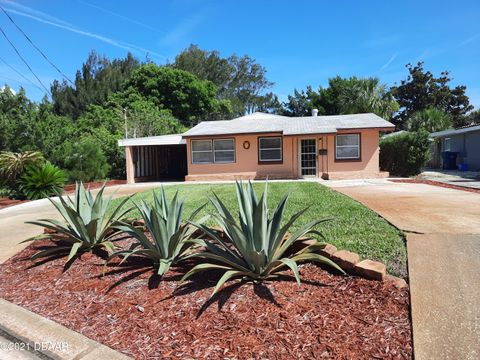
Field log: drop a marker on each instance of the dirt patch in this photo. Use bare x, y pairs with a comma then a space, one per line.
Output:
68, 189
435, 183
136, 313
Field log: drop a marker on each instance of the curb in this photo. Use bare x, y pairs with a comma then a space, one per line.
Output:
45, 337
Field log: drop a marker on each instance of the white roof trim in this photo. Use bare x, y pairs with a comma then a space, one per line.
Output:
175, 139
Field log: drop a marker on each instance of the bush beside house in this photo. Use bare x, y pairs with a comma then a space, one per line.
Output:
405, 154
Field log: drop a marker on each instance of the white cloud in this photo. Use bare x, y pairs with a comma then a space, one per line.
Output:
470, 40
387, 64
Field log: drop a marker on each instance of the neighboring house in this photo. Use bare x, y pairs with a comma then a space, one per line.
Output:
259, 146
464, 141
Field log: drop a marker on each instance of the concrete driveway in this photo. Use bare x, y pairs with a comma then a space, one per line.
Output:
443, 244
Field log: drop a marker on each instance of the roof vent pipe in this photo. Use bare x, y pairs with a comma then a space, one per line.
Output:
314, 112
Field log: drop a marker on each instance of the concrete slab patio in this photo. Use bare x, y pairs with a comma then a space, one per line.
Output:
443, 261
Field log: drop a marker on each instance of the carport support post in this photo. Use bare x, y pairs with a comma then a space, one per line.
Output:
129, 166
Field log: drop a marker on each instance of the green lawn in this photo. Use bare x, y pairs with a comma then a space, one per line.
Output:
354, 227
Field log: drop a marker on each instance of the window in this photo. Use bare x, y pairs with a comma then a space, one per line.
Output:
347, 147
224, 150
213, 151
270, 149
202, 151
447, 146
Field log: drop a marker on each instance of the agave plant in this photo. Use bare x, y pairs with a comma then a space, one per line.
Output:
170, 237
42, 181
87, 223
255, 246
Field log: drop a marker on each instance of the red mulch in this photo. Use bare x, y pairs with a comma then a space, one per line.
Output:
132, 311
436, 183
69, 189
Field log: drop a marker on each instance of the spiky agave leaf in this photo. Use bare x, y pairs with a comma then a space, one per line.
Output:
170, 237
86, 224
256, 244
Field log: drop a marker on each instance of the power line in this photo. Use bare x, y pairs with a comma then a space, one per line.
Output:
24, 61
19, 73
36, 47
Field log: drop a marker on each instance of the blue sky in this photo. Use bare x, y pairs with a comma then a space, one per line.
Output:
299, 42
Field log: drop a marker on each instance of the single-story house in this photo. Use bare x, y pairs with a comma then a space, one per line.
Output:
259, 146
464, 141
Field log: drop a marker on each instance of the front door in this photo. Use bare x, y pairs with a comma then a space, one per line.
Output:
308, 157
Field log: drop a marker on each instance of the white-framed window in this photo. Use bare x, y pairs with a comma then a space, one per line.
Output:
270, 149
347, 147
224, 151
220, 151
202, 152
447, 145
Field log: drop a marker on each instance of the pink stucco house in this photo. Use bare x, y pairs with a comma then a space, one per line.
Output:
259, 146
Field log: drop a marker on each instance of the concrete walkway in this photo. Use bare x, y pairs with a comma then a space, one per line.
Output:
443, 260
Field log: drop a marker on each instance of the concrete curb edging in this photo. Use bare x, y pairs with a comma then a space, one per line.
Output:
49, 338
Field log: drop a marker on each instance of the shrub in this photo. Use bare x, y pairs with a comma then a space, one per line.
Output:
405, 154
256, 245
42, 181
163, 220
87, 224
85, 160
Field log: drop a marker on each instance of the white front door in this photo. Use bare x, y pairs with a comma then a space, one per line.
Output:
308, 158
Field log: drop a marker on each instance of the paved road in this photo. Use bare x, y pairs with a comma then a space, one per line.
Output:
12, 219
443, 261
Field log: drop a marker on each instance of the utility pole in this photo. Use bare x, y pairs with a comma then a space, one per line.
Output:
125, 118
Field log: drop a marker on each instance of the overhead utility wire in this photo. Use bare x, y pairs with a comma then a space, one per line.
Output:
24, 61
20, 74
36, 47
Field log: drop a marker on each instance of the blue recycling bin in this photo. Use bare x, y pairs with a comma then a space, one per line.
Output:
449, 160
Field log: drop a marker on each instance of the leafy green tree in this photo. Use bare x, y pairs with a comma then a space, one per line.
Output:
430, 120
343, 96
239, 79
98, 78
474, 117
17, 116
422, 90
188, 98
84, 160
300, 103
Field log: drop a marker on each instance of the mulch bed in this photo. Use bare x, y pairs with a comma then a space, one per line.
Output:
436, 183
132, 311
69, 189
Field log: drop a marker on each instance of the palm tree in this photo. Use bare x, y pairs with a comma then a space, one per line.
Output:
430, 119
368, 96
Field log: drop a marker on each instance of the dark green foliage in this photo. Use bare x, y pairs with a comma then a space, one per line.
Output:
85, 160
42, 181
240, 80
422, 90
188, 98
98, 78
343, 96
405, 154
430, 120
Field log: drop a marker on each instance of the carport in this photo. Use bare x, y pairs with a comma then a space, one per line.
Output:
155, 158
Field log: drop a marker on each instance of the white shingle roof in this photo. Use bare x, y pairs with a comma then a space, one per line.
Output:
262, 123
